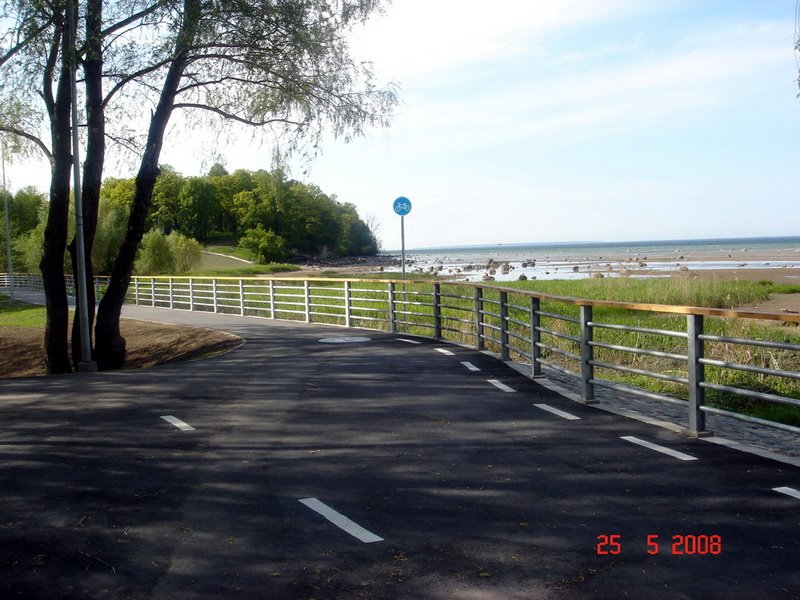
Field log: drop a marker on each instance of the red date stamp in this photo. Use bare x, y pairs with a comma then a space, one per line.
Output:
679, 544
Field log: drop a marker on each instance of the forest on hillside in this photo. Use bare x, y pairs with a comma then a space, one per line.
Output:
274, 217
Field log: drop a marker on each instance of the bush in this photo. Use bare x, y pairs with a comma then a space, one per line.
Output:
185, 252
155, 255
267, 245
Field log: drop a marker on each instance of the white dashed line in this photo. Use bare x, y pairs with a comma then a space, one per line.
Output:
444, 351
501, 386
555, 411
177, 423
407, 341
469, 365
657, 448
788, 491
341, 521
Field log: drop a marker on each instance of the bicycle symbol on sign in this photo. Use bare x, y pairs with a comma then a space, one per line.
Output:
402, 206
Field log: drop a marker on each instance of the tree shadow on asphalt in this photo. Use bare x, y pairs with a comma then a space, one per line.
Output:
476, 494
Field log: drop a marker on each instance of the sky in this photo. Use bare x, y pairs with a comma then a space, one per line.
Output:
563, 120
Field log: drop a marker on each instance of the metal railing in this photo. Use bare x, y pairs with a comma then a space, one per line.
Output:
674, 354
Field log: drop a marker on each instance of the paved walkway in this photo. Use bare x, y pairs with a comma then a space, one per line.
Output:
322, 462
774, 444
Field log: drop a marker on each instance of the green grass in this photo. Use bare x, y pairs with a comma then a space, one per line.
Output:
247, 270
675, 291
232, 250
21, 314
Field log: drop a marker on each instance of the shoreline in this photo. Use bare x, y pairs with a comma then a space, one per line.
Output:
776, 266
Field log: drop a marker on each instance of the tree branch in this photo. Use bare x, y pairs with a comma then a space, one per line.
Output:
133, 76
227, 115
30, 137
21, 45
133, 18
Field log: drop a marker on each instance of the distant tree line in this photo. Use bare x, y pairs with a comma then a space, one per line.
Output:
277, 218
159, 253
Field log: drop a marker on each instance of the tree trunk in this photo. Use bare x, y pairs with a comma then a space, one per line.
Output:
110, 345
55, 234
92, 166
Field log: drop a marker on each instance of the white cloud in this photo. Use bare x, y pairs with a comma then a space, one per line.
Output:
635, 94
423, 38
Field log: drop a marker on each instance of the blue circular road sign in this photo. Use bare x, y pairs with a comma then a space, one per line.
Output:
402, 206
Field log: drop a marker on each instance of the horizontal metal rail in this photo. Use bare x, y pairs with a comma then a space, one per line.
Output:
758, 343
558, 334
641, 351
550, 315
750, 369
634, 371
669, 332
750, 393
510, 321
752, 420
559, 351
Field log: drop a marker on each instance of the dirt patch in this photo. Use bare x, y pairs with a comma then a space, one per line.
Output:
149, 344
780, 303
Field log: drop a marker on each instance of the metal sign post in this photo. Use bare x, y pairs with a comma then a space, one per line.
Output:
402, 206
86, 364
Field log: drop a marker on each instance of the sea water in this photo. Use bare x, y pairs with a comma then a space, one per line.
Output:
505, 262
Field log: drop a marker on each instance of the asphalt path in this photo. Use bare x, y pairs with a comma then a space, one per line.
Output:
385, 468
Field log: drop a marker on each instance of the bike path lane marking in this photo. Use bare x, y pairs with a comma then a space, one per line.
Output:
341, 521
788, 491
657, 448
555, 411
177, 423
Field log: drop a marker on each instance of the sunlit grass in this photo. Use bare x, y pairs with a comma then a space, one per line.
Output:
20, 314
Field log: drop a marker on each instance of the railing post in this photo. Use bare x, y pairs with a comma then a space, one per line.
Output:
504, 326
171, 293
536, 367
696, 373
136, 291
307, 300
271, 299
348, 319
392, 313
587, 355
191, 294
437, 311
152, 291
214, 293
241, 297
479, 344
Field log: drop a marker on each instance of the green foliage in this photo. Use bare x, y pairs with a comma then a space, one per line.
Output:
111, 223
27, 211
28, 250
185, 252
310, 223
167, 254
28, 243
155, 256
24, 208
267, 245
